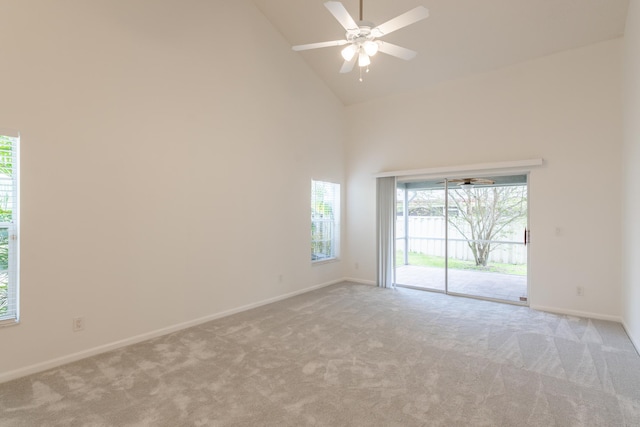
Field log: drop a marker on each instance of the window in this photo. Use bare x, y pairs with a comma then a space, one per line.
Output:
9, 142
325, 220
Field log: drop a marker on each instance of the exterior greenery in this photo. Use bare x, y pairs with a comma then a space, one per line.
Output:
458, 264
481, 216
323, 220
486, 214
6, 169
4, 264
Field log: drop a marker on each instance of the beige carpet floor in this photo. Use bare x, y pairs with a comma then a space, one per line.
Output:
351, 355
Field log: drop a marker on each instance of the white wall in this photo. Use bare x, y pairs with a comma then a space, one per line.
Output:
565, 108
631, 175
158, 138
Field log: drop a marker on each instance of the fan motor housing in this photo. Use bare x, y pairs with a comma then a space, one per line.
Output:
363, 33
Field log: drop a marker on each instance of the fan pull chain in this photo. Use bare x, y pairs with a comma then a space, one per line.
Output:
366, 70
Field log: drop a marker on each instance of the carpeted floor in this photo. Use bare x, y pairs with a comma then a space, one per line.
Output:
351, 355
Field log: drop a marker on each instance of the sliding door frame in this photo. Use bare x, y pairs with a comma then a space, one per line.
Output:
527, 252
446, 179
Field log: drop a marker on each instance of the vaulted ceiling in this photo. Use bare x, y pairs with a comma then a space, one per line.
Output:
460, 38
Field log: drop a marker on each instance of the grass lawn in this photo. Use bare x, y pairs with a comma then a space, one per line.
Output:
436, 261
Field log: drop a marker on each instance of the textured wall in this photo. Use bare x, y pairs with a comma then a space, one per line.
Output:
631, 175
565, 108
157, 138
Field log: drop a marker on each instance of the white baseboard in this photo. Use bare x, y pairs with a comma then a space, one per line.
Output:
577, 313
53, 363
635, 342
360, 281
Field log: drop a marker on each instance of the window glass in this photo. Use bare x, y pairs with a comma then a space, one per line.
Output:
8, 227
325, 215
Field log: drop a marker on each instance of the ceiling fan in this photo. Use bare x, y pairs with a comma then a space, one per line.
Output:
362, 37
470, 182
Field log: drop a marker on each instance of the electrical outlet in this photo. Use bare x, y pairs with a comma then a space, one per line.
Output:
78, 324
580, 291
280, 278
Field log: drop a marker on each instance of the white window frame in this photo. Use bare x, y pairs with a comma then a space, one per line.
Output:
11, 315
327, 247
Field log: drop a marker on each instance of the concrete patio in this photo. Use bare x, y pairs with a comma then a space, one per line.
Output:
499, 286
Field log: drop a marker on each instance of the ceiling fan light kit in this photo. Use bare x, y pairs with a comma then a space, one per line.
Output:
370, 47
348, 52
361, 37
363, 59
466, 186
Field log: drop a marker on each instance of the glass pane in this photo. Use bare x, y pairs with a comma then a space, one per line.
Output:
487, 255
7, 201
4, 274
420, 244
324, 214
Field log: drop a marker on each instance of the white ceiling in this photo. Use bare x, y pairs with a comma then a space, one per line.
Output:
460, 38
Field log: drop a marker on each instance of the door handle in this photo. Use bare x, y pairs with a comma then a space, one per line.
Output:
525, 236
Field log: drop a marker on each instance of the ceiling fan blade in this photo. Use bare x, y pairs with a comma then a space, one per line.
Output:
472, 181
348, 65
482, 181
319, 45
397, 51
401, 21
340, 13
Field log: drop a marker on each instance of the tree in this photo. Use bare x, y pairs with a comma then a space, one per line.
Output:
486, 214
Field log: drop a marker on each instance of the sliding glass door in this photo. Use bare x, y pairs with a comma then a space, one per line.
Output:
487, 254
464, 236
421, 236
